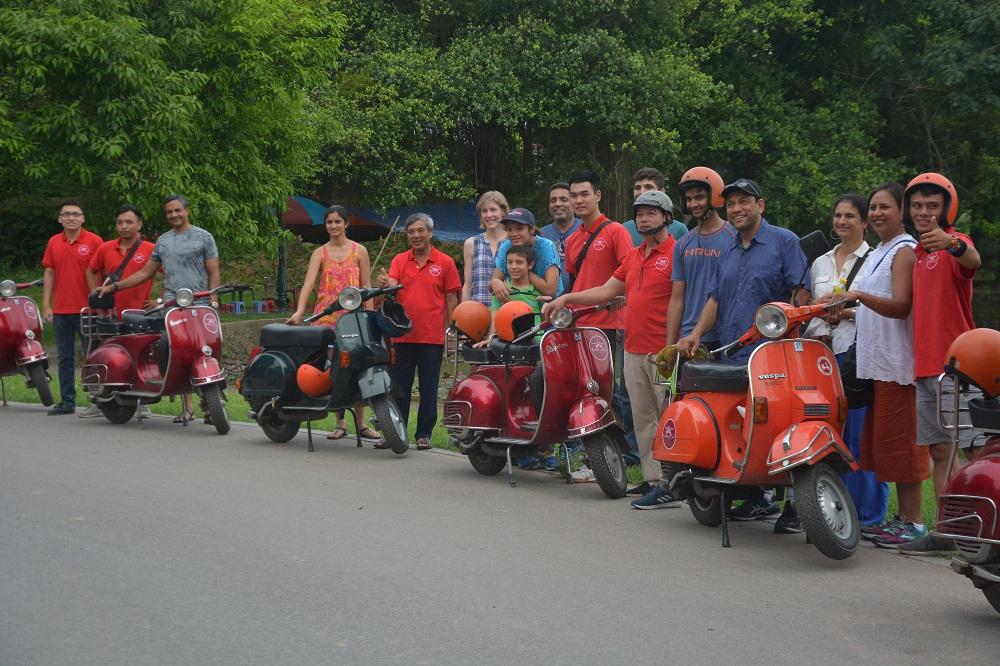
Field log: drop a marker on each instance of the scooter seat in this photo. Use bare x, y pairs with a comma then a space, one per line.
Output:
712, 376
508, 353
135, 322
283, 335
481, 355
985, 413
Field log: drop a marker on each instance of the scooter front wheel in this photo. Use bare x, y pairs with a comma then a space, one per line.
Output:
216, 406
118, 412
607, 463
390, 423
41, 383
827, 511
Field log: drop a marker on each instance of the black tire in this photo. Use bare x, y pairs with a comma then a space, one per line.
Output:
827, 511
607, 463
484, 463
707, 510
37, 374
390, 423
276, 430
993, 595
117, 412
216, 406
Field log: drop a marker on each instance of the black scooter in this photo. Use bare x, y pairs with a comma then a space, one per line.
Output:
357, 358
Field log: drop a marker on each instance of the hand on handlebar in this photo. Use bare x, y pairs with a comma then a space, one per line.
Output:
295, 319
552, 307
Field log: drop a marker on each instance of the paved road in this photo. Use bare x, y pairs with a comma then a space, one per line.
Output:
173, 545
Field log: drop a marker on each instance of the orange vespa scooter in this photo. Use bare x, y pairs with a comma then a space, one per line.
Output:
774, 421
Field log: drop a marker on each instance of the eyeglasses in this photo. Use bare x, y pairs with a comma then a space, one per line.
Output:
73, 214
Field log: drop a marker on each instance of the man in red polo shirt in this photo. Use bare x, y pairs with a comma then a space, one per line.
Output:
65, 293
109, 257
593, 254
430, 292
645, 279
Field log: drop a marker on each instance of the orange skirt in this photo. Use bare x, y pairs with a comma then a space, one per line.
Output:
889, 440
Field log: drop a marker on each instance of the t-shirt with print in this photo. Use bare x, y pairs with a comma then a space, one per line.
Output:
696, 258
109, 257
423, 293
546, 255
183, 257
69, 260
942, 306
647, 296
605, 255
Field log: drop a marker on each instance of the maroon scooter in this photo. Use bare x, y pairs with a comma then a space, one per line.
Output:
171, 349
21, 351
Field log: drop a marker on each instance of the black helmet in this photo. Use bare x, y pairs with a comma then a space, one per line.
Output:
391, 319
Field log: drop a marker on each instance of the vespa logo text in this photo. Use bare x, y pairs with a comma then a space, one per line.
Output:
773, 375
552, 349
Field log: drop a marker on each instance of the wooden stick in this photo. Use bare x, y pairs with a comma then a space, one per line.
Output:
379, 255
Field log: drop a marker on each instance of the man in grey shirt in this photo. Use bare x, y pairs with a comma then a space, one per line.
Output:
189, 258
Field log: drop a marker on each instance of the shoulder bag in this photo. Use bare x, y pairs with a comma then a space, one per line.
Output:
107, 301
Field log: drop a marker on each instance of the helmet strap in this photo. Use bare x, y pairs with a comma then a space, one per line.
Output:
654, 231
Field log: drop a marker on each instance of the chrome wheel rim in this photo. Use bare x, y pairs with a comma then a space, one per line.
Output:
834, 508
614, 458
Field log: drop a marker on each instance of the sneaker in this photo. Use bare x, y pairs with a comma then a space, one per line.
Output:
91, 412
642, 489
529, 462
788, 522
755, 510
905, 533
144, 412
583, 475
928, 545
61, 408
551, 464
657, 498
887, 527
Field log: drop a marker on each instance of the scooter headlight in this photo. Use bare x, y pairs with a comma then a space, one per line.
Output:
8, 288
563, 319
185, 297
771, 321
350, 298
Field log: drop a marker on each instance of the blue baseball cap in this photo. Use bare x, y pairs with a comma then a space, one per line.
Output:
519, 215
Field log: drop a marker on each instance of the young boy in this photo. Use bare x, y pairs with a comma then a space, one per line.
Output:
520, 262
520, 226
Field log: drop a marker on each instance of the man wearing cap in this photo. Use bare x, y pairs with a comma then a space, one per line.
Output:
430, 292
764, 263
648, 179
644, 278
564, 224
520, 226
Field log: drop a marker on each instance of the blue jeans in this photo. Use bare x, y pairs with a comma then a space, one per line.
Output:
870, 496
67, 328
619, 398
425, 360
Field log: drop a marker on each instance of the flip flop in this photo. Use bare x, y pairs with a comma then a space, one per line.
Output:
337, 434
369, 433
184, 417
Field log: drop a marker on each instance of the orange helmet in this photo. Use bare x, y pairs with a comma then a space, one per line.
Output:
938, 181
312, 381
705, 177
975, 356
513, 319
472, 319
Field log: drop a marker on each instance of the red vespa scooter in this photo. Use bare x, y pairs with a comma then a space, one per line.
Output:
968, 510
21, 351
524, 394
151, 354
775, 421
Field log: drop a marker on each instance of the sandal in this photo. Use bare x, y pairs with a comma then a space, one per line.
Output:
337, 433
184, 417
368, 433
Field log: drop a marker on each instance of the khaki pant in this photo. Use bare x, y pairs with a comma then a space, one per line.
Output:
647, 400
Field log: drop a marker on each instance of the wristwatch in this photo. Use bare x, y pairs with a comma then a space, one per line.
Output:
957, 247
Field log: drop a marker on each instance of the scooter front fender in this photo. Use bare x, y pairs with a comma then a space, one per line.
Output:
30, 351
588, 415
807, 443
206, 370
374, 381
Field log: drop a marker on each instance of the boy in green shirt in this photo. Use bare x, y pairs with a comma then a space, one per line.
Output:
520, 262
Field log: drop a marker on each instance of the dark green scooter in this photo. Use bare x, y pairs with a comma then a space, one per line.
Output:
354, 353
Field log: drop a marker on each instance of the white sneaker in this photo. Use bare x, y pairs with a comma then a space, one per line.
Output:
584, 475
144, 412
91, 412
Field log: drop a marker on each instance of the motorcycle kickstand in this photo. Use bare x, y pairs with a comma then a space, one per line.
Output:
569, 467
309, 433
138, 418
726, 543
3, 389
357, 428
510, 469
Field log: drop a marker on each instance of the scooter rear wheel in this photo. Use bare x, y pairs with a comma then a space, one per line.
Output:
390, 423
707, 510
117, 412
216, 406
827, 511
37, 374
993, 595
484, 463
276, 430
607, 463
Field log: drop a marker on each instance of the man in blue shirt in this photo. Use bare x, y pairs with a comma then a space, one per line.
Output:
520, 226
644, 180
564, 224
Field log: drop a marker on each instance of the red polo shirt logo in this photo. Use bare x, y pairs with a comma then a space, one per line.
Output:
662, 264
932, 260
84, 250
435, 270
139, 257
600, 244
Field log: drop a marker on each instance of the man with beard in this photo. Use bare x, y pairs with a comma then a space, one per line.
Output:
564, 224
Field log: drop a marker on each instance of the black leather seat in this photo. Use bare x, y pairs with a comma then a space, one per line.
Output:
521, 353
985, 413
283, 335
136, 322
478, 354
712, 376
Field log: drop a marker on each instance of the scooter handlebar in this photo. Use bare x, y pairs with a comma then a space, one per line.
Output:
33, 283
366, 295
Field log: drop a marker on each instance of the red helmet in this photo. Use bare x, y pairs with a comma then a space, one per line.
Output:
513, 319
940, 182
975, 356
472, 319
312, 381
704, 177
